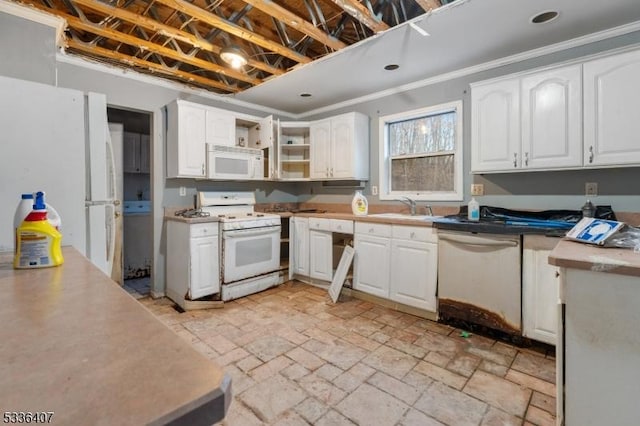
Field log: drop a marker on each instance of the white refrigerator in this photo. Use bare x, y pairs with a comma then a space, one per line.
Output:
57, 140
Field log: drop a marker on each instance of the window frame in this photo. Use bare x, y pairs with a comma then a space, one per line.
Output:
384, 177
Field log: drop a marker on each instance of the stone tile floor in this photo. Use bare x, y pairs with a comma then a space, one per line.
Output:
297, 359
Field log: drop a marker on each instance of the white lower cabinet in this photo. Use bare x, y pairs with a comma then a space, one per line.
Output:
539, 289
414, 267
398, 263
193, 268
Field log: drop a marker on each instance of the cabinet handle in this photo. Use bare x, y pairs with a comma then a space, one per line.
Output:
515, 159
526, 158
332, 172
413, 235
327, 172
202, 168
591, 154
557, 274
339, 226
370, 230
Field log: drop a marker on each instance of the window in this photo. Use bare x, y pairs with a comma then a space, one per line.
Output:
421, 154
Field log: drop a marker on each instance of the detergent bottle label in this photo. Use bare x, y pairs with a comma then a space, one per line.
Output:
34, 249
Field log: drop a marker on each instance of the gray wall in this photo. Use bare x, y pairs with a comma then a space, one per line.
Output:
526, 190
28, 50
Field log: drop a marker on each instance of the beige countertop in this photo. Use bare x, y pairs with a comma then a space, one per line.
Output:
368, 218
75, 343
571, 254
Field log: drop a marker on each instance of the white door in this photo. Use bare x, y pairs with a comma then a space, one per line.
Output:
220, 128
320, 141
342, 146
540, 283
495, 126
414, 273
552, 118
371, 272
320, 255
611, 105
191, 141
204, 266
299, 263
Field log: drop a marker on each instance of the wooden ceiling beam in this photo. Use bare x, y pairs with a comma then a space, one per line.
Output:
294, 21
428, 5
215, 21
362, 14
151, 47
150, 66
167, 31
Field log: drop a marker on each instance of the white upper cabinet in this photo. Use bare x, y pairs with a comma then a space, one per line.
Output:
340, 147
532, 122
611, 105
552, 119
220, 128
495, 126
186, 153
580, 115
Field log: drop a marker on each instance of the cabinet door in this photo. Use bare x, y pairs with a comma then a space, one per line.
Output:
495, 126
145, 154
342, 140
320, 255
191, 141
552, 118
204, 267
539, 295
320, 141
220, 128
300, 249
371, 271
611, 105
414, 273
131, 152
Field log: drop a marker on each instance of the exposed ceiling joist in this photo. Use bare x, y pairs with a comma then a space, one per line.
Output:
362, 14
233, 29
428, 5
294, 21
146, 45
151, 66
167, 30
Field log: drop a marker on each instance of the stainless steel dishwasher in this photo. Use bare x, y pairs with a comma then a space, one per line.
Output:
479, 279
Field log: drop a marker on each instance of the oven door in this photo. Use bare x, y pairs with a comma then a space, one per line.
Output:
250, 252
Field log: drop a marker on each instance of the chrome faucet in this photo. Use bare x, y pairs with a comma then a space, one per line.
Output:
411, 203
429, 210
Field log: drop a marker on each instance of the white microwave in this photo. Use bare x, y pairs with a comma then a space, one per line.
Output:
234, 163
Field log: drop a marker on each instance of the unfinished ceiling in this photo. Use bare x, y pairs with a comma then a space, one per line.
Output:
182, 40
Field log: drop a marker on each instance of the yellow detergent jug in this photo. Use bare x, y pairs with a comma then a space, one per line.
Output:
38, 242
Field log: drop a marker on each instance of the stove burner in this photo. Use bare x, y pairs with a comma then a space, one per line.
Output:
189, 213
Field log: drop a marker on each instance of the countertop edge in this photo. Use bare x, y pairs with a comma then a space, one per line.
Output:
575, 255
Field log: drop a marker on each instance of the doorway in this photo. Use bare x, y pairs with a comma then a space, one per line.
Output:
133, 128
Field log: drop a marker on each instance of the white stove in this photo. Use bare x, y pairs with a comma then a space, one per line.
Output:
250, 242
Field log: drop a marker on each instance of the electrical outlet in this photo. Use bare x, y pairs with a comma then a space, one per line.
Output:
374, 190
591, 189
477, 189
183, 191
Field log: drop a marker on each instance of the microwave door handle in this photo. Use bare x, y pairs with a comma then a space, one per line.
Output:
251, 232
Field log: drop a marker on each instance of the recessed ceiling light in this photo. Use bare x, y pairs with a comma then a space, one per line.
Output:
544, 17
305, 95
391, 67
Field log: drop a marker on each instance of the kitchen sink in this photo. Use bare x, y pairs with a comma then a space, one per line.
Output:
405, 216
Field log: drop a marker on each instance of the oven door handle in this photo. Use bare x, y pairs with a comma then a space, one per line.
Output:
477, 241
241, 233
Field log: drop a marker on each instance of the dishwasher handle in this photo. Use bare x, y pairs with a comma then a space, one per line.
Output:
477, 241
